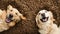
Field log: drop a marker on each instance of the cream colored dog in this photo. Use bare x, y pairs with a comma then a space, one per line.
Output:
9, 18
45, 23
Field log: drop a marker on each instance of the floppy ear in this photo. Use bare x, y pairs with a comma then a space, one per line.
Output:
9, 7
37, 19
22, 17
52, 18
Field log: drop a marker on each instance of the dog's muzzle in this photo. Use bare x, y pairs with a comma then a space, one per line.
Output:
9, 18
44, 18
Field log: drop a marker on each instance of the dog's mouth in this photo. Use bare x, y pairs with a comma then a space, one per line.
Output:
8, 20
44, 19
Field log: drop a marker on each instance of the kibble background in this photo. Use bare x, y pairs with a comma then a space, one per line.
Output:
30, 8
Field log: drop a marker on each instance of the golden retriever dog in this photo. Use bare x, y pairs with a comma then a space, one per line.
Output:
44, 20
13, 16
9, 17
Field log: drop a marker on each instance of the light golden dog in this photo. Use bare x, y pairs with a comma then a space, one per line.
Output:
9, 18
13, 16
45, 23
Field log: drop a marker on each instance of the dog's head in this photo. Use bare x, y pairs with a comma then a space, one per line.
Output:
44, 16
13, 15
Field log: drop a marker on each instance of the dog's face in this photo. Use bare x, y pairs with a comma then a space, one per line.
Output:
44, 16
13, 16
9, 18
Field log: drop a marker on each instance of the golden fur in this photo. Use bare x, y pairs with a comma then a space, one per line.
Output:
4, 25
16, 15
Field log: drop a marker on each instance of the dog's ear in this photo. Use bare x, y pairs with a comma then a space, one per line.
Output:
51, 15
37, 19
22, 17
9, 7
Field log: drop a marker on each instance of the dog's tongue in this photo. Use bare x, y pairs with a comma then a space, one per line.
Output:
7, 20
44, 19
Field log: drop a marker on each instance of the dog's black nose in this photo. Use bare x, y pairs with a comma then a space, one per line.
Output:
10, 15
43, 16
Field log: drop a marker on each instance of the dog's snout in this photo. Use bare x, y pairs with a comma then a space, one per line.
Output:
43, 16
10, 15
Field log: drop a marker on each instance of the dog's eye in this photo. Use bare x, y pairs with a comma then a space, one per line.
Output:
39, 13
11, 10
16, 13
